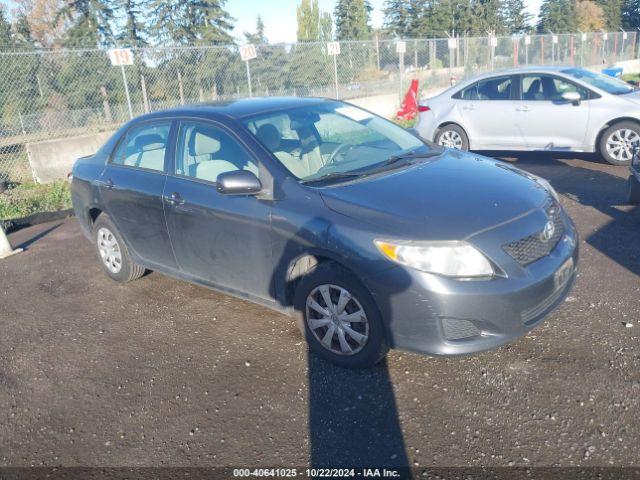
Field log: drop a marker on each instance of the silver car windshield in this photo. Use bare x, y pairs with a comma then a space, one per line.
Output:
332, 139
603, 82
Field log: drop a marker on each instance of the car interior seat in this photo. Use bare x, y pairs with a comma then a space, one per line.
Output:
202, 152
271, 138
533, 92
148, 152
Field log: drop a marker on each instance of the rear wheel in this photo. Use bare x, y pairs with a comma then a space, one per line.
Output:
452, 136
340, 319
633, 190
617, 142
113, 253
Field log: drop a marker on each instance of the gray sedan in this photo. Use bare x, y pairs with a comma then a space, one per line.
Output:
537, 108
370, 237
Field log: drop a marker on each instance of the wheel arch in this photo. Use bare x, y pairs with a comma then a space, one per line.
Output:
457, 124
603, 128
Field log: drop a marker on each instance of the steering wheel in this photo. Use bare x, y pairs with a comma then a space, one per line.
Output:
334, 154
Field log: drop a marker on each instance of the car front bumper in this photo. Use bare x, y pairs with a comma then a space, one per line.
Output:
435, 315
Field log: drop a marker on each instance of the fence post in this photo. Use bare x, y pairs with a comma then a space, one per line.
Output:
541, 49
335, 74
145, 99
377, 51
105, 104
181, 88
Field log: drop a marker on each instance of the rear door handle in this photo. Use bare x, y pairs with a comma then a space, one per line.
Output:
523, 108
174, 199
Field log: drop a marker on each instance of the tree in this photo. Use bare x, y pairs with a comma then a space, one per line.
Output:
612, 11
45, 25
191, 22
352, 19
308, 17
89, 23
631, 14
557, 16
487, 17
515, 17
132, 33
397, 17
258, 37
589, 16
326, 27
6, 37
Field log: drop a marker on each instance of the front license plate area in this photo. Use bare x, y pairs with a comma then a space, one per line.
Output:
563, 274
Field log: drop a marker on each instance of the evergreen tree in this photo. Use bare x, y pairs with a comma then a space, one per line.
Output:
352, 19
557, 16
89, 23
132, 33
631, 14
326, 27
612, 10
397, 17
487, 16
258, 37
191, 22
589, 16
515, 17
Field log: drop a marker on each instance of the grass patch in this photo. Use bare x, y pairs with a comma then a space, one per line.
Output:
631, 77
29, 198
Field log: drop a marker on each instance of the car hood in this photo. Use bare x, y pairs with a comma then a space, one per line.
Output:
450, 197
633, 96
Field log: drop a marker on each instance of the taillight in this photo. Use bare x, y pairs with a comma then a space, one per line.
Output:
423, 108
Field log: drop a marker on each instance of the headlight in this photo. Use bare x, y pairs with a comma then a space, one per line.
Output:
547, 186
453, 259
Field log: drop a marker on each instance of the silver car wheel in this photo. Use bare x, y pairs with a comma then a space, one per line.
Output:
451, 139
620, 144
337, 320
109, 250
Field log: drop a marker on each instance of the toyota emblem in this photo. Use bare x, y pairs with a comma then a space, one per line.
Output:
547, 232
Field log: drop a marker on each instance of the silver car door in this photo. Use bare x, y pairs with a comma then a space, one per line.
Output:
544, 120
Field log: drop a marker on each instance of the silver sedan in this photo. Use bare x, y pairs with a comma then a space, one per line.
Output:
537, 108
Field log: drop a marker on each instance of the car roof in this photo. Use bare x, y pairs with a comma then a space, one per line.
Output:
238, 108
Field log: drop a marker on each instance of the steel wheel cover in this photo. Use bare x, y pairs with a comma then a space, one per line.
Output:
337, 320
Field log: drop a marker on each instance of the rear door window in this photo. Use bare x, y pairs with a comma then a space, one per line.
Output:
497, 88
143, 146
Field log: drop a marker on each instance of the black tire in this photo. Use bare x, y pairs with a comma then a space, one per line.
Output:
375, 347
128, 270
633, 190
602, 147
455, 130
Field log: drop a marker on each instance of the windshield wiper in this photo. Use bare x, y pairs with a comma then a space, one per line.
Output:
409, 156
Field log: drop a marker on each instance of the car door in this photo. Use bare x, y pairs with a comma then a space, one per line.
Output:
487, 110
223, 240
131, 187
544, 120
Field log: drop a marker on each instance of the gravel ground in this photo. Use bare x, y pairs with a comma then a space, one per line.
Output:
159, 372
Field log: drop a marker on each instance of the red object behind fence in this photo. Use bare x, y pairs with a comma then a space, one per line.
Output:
409, 107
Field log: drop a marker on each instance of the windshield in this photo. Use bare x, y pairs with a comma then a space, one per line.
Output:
603, 82
331, 139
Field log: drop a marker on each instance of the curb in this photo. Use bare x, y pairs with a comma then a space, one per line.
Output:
15, 224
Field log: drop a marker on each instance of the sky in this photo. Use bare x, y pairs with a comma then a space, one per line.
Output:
279, 16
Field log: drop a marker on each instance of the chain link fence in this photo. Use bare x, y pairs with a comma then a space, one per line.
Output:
63, 93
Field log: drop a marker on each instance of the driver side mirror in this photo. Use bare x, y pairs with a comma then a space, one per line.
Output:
238, 182
572, 97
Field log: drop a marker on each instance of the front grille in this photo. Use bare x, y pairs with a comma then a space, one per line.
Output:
529, 249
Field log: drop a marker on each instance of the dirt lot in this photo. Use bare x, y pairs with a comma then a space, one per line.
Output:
159, 372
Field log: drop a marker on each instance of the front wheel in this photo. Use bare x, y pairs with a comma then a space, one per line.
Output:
617, 142
633, 190
452, 136
341, 321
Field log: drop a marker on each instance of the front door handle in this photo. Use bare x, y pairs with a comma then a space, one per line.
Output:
174, 199
469, 107
523, 108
